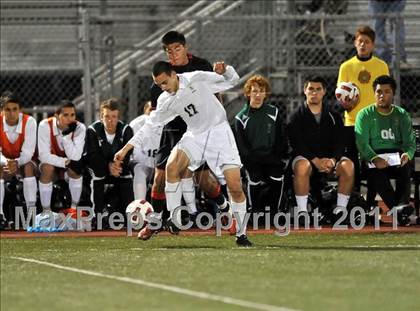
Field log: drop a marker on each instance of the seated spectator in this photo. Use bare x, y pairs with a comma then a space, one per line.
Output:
144, 158
61, 139
315, 133
262, 143
103, 139
385, 128
17, 146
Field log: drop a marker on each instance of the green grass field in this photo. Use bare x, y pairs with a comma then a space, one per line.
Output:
297, 272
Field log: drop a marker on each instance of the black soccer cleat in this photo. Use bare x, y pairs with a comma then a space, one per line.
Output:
242, 241
171, 227
3, 223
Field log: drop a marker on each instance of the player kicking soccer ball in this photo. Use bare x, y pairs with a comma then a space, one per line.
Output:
208, 138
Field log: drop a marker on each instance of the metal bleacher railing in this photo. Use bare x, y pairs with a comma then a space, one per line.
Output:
49, 47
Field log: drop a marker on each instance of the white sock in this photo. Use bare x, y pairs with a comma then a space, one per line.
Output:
173, 192
75, 186
1, 196
139, 183
188, 192
302, 203
45, 191
239, 211
29, 191
342, 199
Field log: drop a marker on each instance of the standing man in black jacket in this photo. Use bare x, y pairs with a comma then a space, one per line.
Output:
316, 138
103, 139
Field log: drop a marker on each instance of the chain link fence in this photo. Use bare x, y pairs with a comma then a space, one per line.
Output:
39, 53
90, 50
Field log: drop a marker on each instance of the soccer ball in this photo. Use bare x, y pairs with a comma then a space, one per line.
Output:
138, 208
347, 93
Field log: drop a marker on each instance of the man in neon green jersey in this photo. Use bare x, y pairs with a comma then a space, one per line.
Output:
385, 139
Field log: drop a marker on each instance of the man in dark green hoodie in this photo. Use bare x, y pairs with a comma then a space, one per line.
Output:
262, 143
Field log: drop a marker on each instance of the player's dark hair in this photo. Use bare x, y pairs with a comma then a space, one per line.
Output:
172, 37
385, 80
65, 103
317, 79
9, 97
162, 67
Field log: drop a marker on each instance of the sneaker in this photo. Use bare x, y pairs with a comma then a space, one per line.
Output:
225, 219
403, 215
11, 225
243, 241
193, 218
3, 222
73, 212
302, 216
171, 227
146, 233
226, 209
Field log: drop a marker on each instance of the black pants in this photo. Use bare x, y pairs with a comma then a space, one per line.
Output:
351, 152
171, 135
270, 175
116, 198
379, 179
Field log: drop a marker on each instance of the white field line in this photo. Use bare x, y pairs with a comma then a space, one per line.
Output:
348, 247
174, 289
262, 248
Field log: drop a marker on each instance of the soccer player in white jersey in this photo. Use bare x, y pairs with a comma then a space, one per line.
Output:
17, 148
208, 137
61, 140
144, 157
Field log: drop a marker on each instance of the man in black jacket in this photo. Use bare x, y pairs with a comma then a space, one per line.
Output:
315, 134
103, 139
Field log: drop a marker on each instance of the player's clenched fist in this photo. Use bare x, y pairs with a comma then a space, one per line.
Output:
219, 67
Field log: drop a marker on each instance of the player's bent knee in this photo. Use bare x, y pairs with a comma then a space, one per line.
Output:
72, 174
29, 169
47, 171
346, 168
302, 168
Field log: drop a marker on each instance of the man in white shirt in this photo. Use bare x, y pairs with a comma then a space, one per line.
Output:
61, 140
17, 142
208, 138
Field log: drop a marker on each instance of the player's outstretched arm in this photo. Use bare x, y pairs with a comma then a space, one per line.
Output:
120, 155
222, 79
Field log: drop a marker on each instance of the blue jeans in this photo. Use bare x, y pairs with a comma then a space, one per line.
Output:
397, 24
